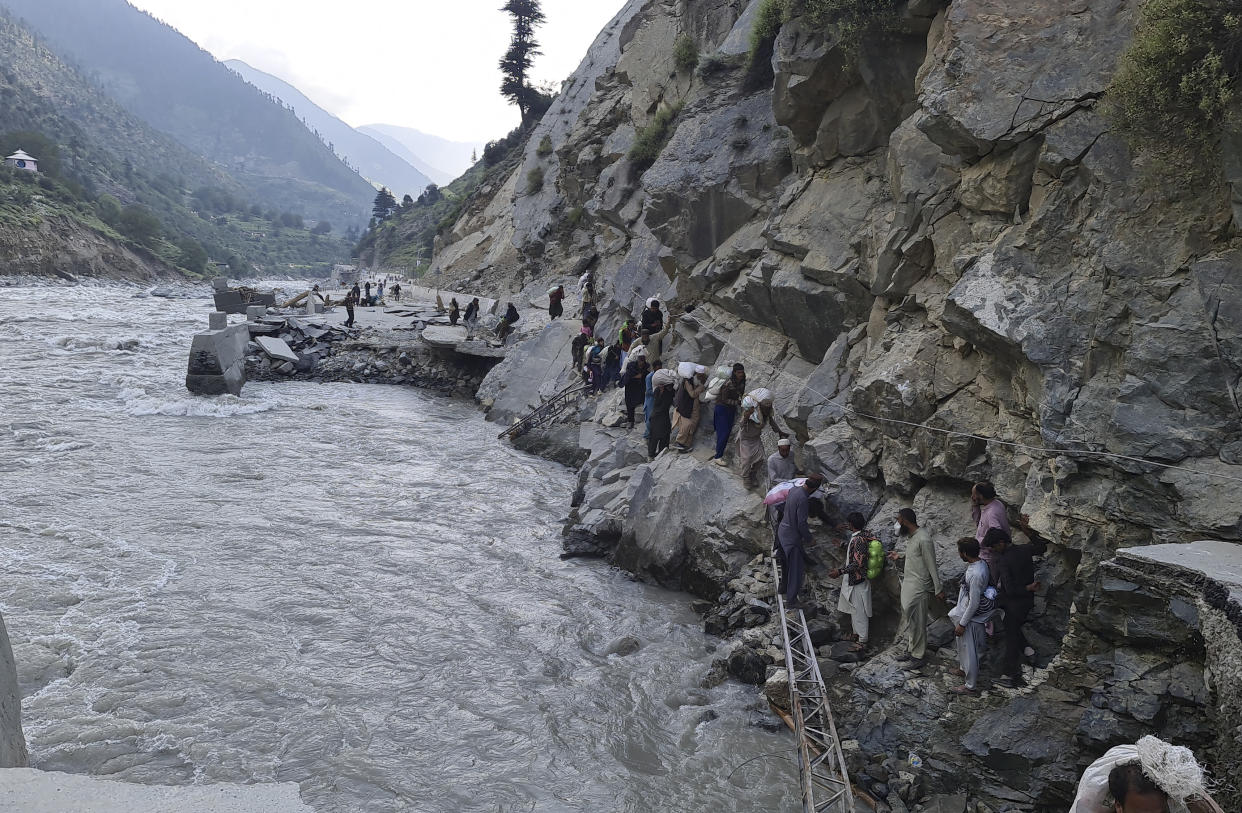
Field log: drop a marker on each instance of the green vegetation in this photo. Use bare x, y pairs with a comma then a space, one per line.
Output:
1175, 90
105, 169
534, 180
650, 141
384, 206
174, 87
685, 54
574, 216
516, 63
712, 65
545, 147
852, 20
407, 239
768, 24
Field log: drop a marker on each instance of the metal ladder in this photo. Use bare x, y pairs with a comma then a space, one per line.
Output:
821, 765
547, 412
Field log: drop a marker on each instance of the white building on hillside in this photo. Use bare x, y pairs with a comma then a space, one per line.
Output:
21, 160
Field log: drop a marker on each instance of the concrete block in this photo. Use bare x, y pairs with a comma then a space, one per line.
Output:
276, 348
220, 284
218, 361
32, 791
217, 321
12, 741
255, 312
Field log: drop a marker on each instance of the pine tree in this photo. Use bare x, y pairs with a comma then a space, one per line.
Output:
474, 156
385, 205
515, 66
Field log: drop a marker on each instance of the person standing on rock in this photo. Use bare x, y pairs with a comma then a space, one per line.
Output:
725, 413
919, 583
577, 350
590, 314
855, 598
755, 415
972, 612
351, 299
1015, 566
652, 318
368, 300
555, 302
688, 406
507, 322
794, 534
626, 336
660, 424
612, 364
472, 317
781, 464
648, 403
635, 383
396, 291
454, 311
988, 512
595, 365
651, 344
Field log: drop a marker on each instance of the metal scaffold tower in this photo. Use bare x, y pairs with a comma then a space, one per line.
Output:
821, 764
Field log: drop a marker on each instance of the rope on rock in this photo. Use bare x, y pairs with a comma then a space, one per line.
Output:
1046, 452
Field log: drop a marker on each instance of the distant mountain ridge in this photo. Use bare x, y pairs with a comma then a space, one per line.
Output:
449, 158
376, 162
178, 88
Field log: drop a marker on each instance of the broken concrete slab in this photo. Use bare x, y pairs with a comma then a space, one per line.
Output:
33, 791
276, 348
439, 336
218, 361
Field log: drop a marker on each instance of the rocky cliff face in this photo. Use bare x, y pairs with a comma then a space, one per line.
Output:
947, 268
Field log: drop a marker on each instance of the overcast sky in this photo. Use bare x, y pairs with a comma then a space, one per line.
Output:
428, 64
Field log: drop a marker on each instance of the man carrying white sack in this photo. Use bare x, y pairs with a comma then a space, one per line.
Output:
1150, 776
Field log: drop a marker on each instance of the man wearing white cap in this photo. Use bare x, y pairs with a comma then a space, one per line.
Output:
781, 463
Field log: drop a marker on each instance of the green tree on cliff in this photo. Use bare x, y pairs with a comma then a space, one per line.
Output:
385, 205
516, 63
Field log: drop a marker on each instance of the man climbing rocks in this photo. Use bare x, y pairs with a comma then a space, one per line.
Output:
396, 291
755, 415
556, 299
919, 583
648, 401
595, 365
1015, 578
855, 599
987, 512
688, 406
781, 463
1149, 776
660, 424
652, 318
794, 534
507, 322
973, 611
725, 414
634, 380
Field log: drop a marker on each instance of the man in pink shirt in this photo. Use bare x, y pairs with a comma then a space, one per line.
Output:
988, 512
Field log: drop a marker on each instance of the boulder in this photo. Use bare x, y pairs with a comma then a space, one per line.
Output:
12, 740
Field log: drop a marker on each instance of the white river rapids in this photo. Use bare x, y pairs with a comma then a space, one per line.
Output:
354, 588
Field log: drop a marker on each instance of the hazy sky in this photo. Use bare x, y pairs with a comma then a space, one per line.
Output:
428, 64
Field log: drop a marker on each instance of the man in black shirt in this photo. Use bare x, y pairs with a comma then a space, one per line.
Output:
1015, 577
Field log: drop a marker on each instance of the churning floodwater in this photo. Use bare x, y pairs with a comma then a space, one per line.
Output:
355, 588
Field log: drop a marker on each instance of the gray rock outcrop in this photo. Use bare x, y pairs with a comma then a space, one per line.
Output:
948, 269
